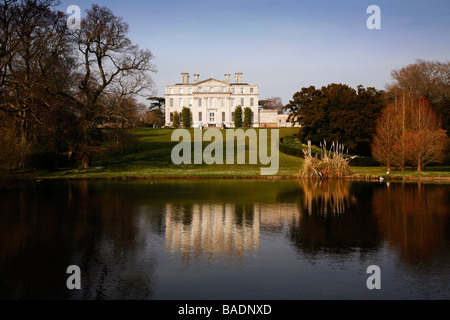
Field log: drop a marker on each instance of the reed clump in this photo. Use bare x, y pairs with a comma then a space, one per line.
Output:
332, 163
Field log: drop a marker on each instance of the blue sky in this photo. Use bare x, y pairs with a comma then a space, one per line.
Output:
284, 45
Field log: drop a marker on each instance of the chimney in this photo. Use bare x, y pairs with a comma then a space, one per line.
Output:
227, 77
238, 77
185, 77
196, 77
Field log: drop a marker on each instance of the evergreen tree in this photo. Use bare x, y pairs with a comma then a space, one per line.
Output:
247, 117
176, 119
186, 117
238, 117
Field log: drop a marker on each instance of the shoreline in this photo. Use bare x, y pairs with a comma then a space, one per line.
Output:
11, 184
355, 177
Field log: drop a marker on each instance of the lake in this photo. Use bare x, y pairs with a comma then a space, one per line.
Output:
225, 239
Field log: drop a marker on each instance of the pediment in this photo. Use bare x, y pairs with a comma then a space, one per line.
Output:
212, 82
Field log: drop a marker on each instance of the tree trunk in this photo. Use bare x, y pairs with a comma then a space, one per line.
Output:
23, 127
85, 154
121, 137
85, 160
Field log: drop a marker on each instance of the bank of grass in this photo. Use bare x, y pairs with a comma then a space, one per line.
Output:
442, 172
147, 154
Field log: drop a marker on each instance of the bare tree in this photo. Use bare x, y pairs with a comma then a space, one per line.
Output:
34, 38
428, 79
425, 140
409, 132
403, 108
123, 112
272, 103
108, 58
386, 136
9, 42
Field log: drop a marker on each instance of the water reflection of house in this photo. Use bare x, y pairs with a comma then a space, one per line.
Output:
211, 229
227, 230
276, 217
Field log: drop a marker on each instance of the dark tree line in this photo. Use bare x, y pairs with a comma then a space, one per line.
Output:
407, 123
59, 86
337, 112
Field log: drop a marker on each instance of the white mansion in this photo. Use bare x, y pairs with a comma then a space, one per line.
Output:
212, 102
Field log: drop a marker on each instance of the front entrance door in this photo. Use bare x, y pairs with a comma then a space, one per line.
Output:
212, 118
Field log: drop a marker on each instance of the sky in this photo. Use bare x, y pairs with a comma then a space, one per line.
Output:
283, 45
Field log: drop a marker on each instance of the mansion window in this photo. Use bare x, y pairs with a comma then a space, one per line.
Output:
181, 103
242, 90
200, 116
252, 101
223, 116
171, 90
211, 117
251, 90
190, 90
199, 102
171, 102
190, 103
181, 90
242, 102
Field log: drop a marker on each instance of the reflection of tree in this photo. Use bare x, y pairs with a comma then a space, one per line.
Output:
58, 225
331, 219
413, 217
116, 266
244, 214
183, 213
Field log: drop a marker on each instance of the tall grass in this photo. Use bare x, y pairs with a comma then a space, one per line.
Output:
331, 164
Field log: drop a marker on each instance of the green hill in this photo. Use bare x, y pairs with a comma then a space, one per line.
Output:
146, 152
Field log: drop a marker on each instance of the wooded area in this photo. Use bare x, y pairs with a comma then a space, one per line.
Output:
408, 124
59, 86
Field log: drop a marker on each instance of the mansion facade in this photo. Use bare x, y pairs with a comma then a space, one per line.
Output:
212, 102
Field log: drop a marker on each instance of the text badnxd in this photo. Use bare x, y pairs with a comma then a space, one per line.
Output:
246, 309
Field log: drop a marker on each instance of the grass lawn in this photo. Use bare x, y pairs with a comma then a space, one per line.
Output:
431, 172
147, 153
